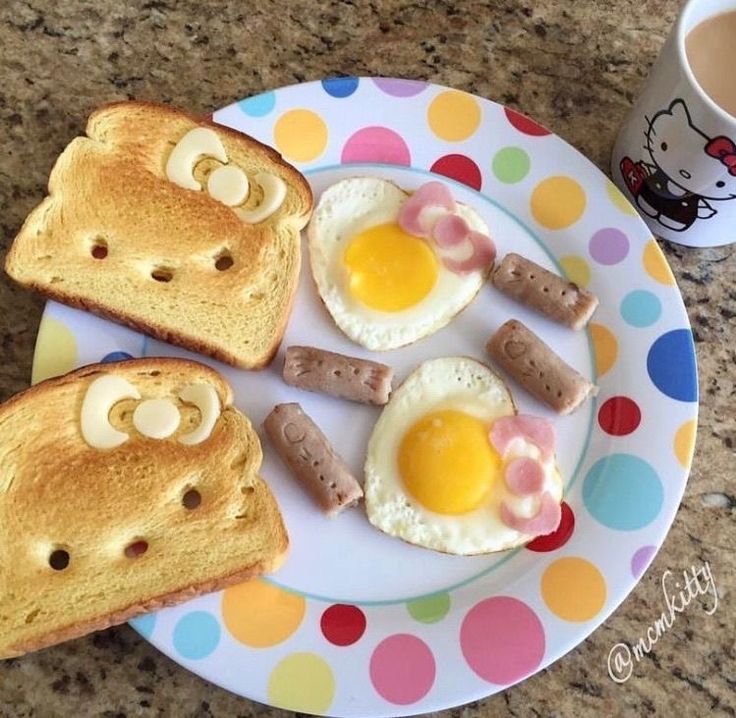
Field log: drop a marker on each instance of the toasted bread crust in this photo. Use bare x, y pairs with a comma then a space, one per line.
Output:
57, 491
239, 316
78, 630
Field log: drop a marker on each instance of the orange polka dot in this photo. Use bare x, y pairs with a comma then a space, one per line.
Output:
300, 135
605, 347
684, 443
259, 614
453, 115
56, 350
656, 264
576, 269
573, 589
558, 202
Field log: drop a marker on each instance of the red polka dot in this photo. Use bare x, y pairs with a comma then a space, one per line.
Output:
402, 669
557, 538
343, 625
619, 416
376, 144
524, 124
460, 168
502, 640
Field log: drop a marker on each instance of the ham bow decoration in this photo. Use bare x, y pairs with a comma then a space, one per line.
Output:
430, 212
524, 476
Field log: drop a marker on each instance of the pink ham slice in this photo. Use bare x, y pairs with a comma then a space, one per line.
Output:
544, 522
450, 231
431, 194
524, 476
535, 429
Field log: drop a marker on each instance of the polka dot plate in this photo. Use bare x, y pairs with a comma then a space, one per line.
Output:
357, 623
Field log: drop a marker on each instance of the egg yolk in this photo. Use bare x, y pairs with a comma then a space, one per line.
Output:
389, 269
447, 462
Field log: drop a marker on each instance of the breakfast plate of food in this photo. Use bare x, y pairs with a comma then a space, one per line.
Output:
421, 375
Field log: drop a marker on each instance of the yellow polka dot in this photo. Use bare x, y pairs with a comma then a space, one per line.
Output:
453, 115
56, 350
573, 589
576, 269
302, 682
259, 614
617, 197
656, 265
685, 442
605, 347
558, 202
300, 135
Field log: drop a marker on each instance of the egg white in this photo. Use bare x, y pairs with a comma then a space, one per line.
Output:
349, 207
466, 385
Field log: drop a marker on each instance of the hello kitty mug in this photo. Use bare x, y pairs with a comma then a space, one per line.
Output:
675, 156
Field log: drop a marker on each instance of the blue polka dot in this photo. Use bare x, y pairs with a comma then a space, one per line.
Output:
259, 105
623, 492
196, 635
671, 365
116, 356
641, 308
340, 86
144, 624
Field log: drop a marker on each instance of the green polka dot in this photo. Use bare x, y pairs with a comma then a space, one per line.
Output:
511, 164
429, 609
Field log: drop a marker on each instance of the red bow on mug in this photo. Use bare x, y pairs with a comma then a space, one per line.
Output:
724, 150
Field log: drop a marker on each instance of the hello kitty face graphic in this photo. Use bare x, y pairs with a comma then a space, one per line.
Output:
682, 170
688, 156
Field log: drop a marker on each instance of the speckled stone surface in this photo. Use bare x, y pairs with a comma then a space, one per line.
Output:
574, 66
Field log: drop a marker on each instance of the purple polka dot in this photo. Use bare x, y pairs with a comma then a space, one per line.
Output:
640, 560
376, 144
608, 246
400, 88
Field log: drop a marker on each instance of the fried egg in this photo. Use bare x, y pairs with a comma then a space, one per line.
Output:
383, 287
433, 476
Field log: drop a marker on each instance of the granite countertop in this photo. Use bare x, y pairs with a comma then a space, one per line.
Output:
575, 67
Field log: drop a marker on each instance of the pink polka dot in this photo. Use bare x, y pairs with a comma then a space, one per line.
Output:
460, 168
402, 669
376, 144
525, 124
502, 640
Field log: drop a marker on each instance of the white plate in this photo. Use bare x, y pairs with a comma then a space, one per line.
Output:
357, 623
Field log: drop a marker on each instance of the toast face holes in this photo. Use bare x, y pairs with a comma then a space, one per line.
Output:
224, 261
162, 274
136, 549
59, 559
191, 499
99, 248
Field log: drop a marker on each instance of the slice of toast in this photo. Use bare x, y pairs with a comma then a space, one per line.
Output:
115, 236
91, 537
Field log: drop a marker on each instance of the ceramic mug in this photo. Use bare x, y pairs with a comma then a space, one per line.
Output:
675, 156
